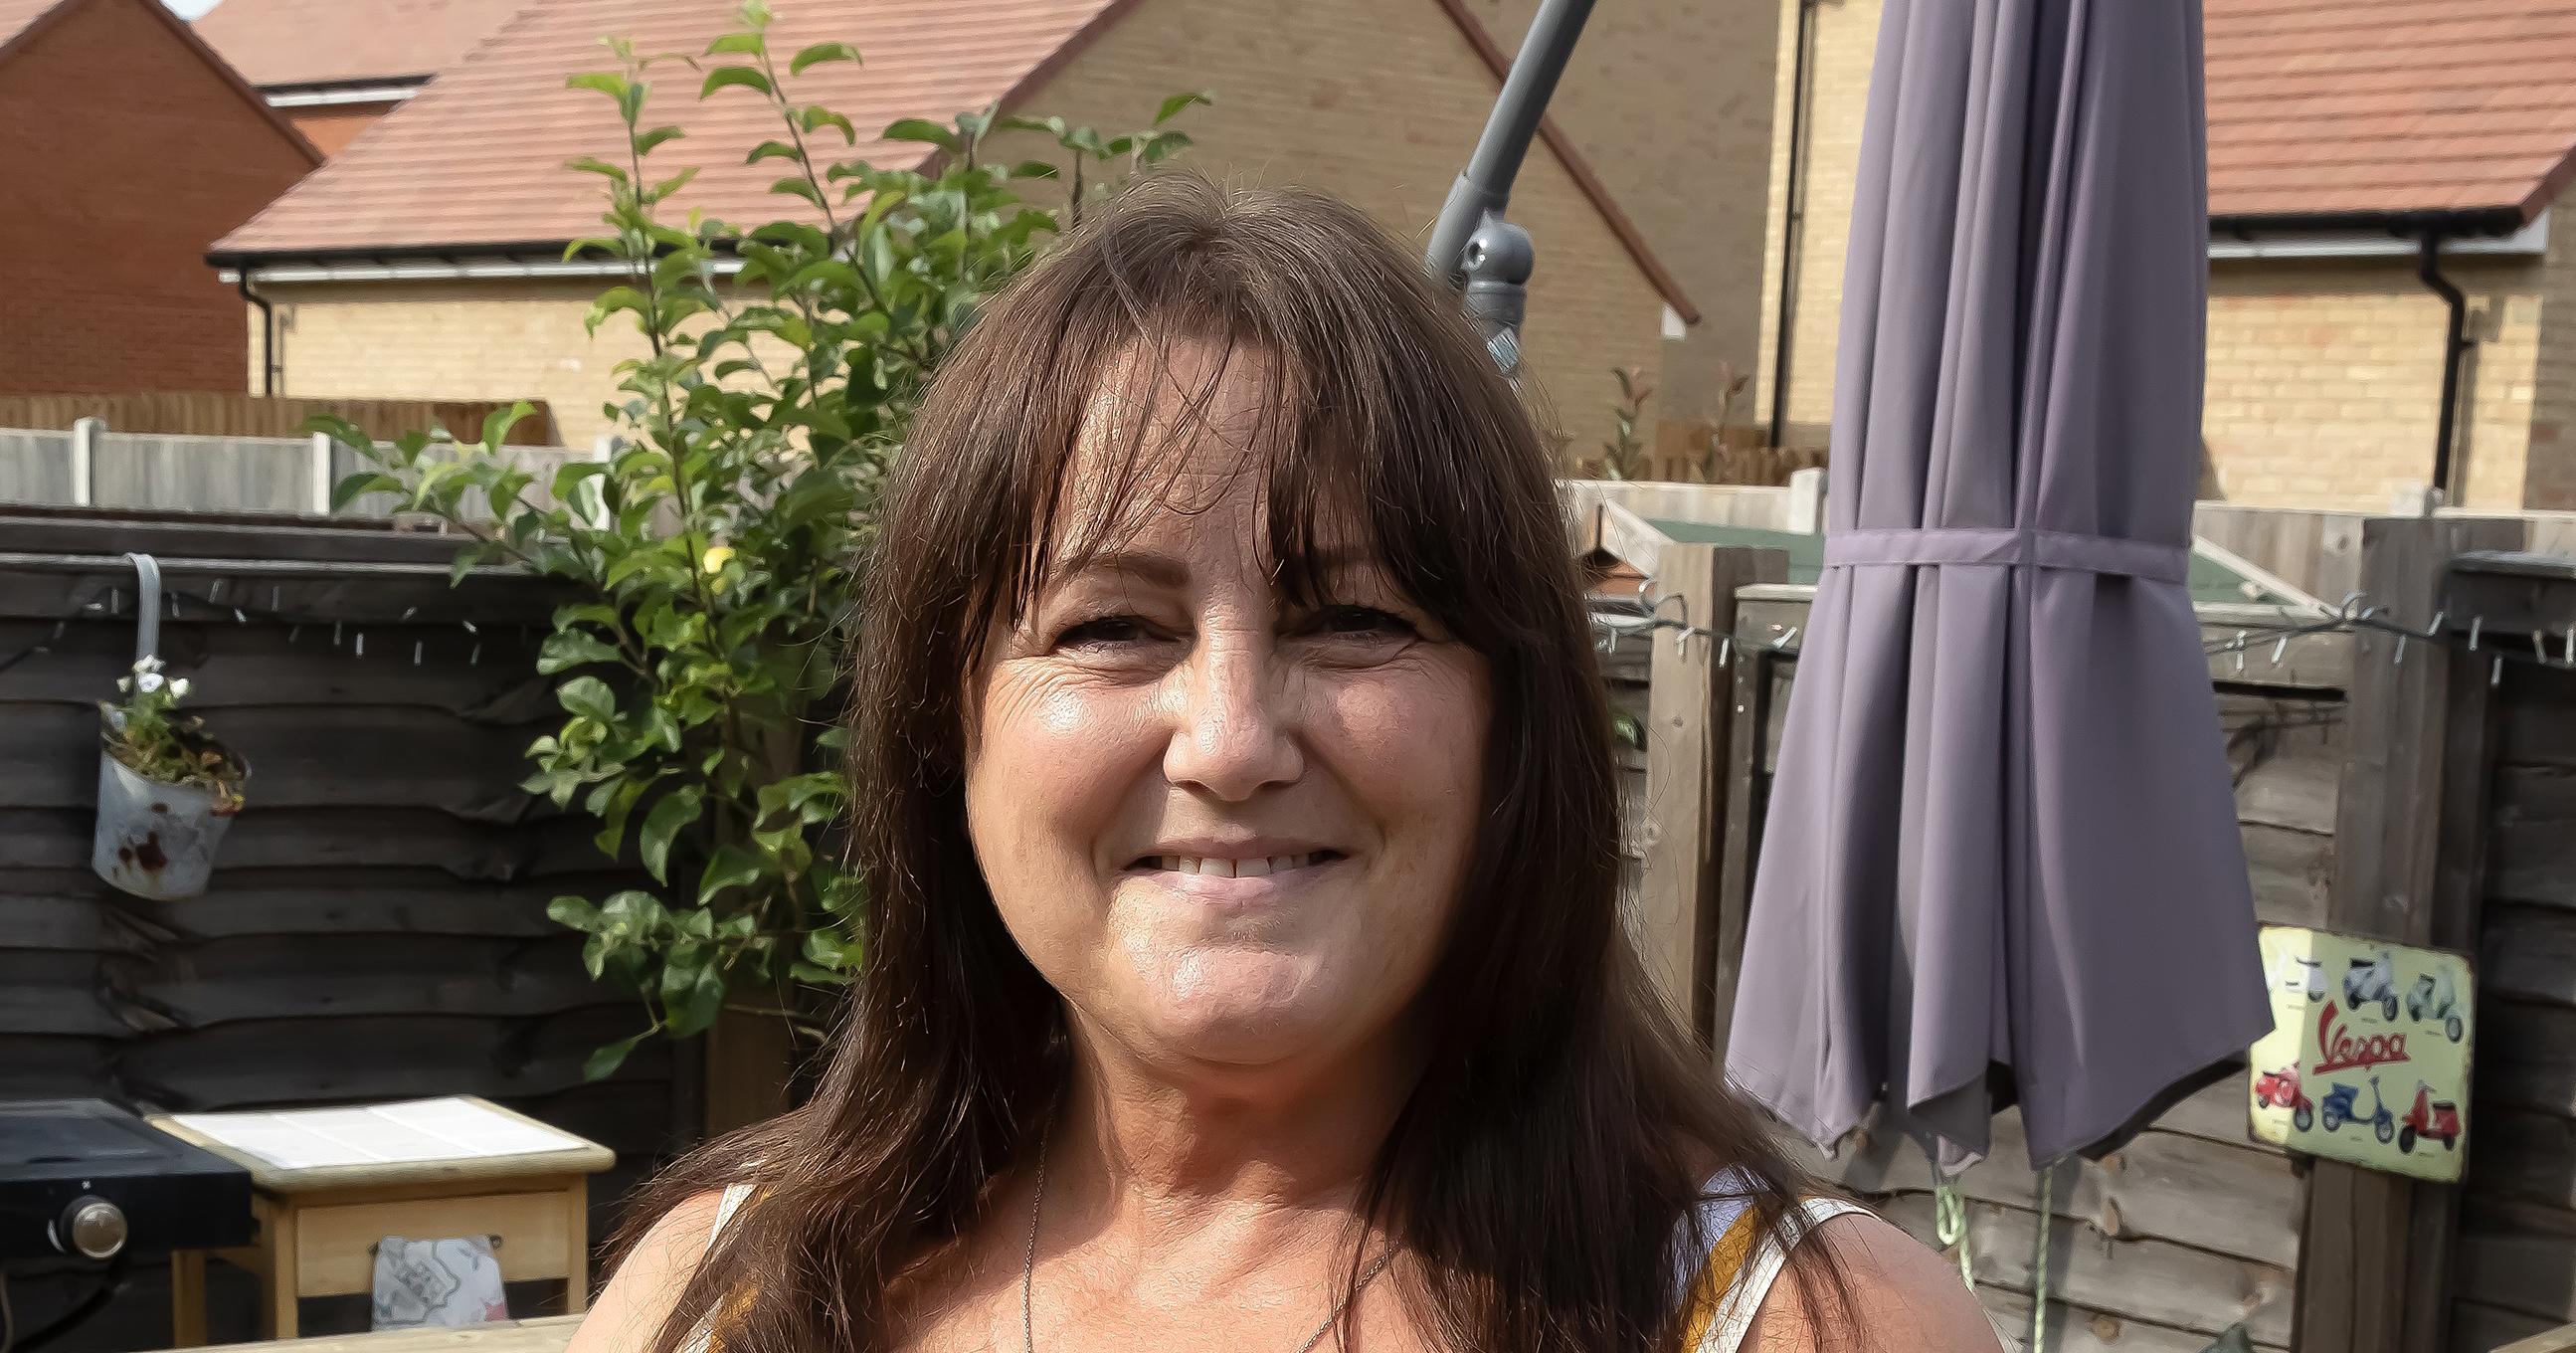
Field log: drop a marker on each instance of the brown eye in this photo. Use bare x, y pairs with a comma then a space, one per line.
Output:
1107, 631
1361, 622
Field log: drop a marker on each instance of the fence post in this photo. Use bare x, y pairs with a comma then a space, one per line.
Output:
1689, 719
1807, 501
85, 459
2363, 1253
318, 495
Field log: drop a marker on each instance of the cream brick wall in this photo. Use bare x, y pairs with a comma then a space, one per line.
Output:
1844, 40
1670, 102
2325, 380
2550, 479
453, 340
1379, 102
2324, 375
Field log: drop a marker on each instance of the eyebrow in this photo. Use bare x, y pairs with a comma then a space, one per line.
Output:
1163, 570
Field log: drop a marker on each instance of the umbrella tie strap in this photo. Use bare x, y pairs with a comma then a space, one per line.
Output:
2008, 547
1950, 1224
2039, 1260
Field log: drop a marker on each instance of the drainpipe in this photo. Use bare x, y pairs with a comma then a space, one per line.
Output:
2455, 347
267, 331
1793, 215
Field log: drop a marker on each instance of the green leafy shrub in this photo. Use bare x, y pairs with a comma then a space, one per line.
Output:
715, 552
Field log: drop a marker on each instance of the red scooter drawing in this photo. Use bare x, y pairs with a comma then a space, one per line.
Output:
2280, 1090
2430, 1120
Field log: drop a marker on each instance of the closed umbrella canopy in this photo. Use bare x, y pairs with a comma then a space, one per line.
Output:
2001, 861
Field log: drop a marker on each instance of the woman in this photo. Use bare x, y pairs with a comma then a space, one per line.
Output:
1244, 966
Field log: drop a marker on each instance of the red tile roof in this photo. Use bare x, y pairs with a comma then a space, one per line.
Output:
475, 161
16, 16
2331, 106
22, 21
313, 42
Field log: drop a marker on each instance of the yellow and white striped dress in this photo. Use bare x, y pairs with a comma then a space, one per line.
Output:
1723, 1289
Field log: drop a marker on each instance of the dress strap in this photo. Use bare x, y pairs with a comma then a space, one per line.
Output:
1757, 1264
702, 1340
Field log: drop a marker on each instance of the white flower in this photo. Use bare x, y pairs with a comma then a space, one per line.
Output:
125, 683
147, 665
148, 682
179, 688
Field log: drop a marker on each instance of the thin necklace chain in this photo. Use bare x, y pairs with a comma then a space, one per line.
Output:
1029, 1273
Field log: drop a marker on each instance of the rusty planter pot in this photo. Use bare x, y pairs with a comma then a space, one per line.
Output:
156, 840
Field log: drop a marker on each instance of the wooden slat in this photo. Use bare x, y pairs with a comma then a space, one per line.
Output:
547, 1334
2519, 1257
2292, 873
2075, 1328
2479, 1328
310, 1061
2355, 1293
2526, 1055
273, 977
2532, 843
231, 665
2171, 1285
333, 838
1679, 923
2232, 1200
59, 587
70, 909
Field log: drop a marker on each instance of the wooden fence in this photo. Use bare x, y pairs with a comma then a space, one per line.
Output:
91, 466
2420, 801
377, 925
234, 414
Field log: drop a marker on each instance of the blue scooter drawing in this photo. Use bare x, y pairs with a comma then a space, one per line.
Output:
2340, 1108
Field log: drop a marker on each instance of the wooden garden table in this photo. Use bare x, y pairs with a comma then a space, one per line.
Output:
318, 1228
546, 1335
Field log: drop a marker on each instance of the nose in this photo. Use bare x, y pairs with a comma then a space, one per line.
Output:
1232, 733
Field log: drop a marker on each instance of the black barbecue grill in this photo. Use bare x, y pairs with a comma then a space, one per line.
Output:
84, 1178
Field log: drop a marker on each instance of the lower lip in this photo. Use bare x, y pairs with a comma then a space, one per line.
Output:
1236, 890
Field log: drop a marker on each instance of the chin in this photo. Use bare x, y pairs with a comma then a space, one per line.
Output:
1247, 1010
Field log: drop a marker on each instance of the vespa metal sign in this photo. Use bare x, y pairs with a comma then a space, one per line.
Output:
2368, 1058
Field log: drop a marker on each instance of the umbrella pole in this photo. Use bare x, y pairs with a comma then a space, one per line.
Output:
1472, 246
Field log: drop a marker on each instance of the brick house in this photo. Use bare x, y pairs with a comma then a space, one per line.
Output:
335, 66
426, 259
2356, 151
127, 148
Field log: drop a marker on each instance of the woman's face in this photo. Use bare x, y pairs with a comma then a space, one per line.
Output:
1230, 830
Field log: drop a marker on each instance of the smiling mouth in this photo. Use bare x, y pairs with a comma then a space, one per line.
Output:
1257, 867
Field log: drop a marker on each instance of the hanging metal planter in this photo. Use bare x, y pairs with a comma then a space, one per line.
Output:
154, 838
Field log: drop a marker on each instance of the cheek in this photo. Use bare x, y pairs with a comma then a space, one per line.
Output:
1410, 746
1049, 764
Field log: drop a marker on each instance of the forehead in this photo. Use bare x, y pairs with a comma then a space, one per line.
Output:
1178, 440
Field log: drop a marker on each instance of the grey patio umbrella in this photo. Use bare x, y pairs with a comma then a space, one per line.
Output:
2001, 861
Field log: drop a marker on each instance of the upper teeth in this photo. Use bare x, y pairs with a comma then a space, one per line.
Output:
1269, 864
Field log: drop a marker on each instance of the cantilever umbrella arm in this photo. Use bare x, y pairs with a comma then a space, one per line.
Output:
1472, 247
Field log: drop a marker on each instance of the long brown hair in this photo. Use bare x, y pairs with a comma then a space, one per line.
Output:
1543, 1172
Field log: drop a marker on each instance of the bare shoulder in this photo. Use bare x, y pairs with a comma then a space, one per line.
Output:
1901, 1294
639, 1294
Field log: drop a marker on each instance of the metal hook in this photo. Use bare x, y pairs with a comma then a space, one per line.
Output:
2239, 646
1785, 637
2283, 646
2476, 623
415, 652
475, 659
1725, 650
1655, 611
2495, 675
362, 644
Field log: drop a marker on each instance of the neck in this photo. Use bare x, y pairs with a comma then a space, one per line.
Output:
1138, 1137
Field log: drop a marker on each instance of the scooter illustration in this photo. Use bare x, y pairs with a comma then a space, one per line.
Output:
2430, 1120
2280, 1090
2435, 998
2301, 974
2341, 1108
2370, 980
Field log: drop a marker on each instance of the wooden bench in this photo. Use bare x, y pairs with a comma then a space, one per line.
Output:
547, 1335
318, 1227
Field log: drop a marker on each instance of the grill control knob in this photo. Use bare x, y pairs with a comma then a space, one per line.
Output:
93, 1227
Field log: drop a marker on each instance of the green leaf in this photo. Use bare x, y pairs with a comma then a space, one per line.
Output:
737, 44
566, 649
732, 867
603, 1064
919, 129
647, 143
726, 77
815, 117
818, 54
609, 83
497, 424
1172, 106
677, 811
796, 185
588, 697
358, 485
575, 912
592, 164
772, 150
